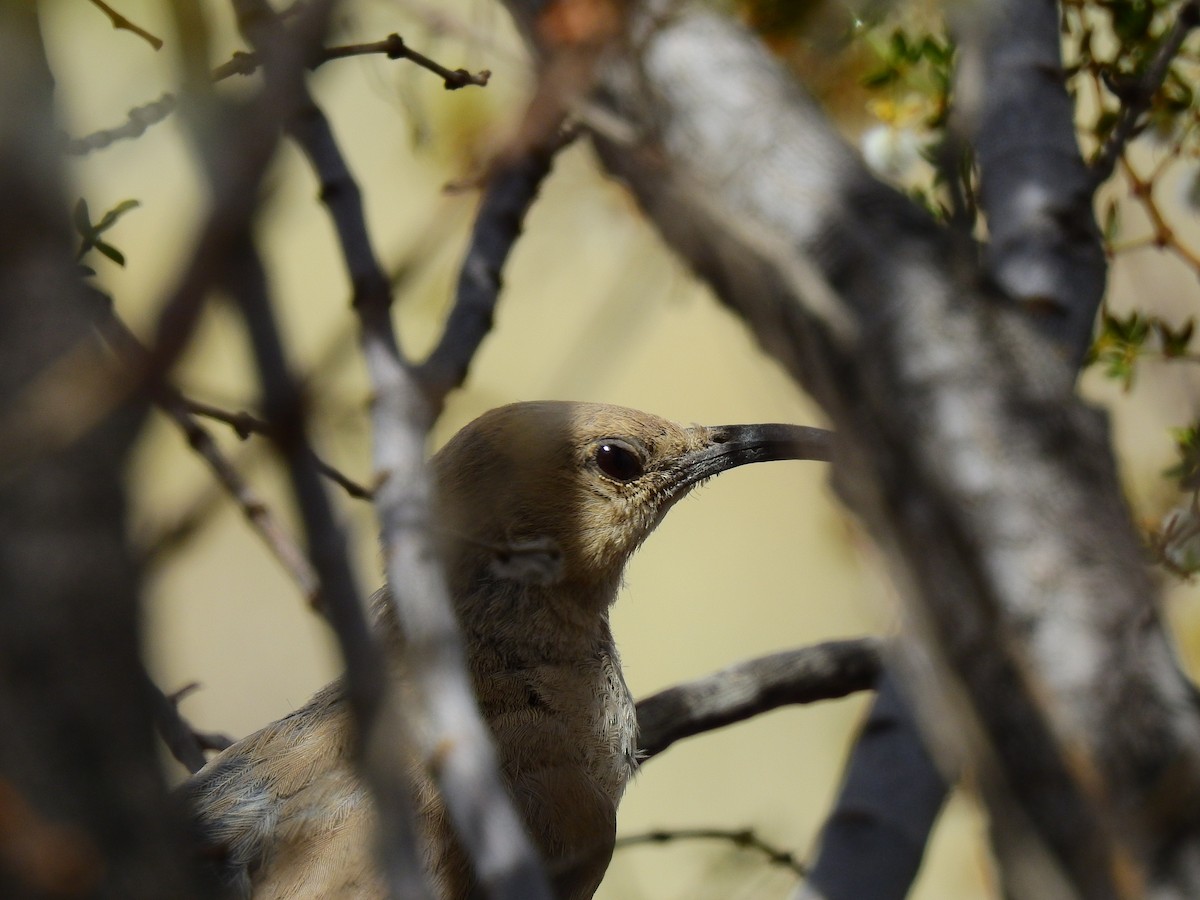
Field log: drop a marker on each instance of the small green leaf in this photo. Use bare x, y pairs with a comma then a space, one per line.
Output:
1187, 446
111, 252
1112, 221
83, 221
1105, 123
881, 78
1131, 19
1175, 342
110, 218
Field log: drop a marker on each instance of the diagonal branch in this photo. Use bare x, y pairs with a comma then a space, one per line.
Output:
121, 23
244, 424
367, 677
394, 47
255, 510
186, 744
874, 838
511, 189
744, 839
821, 672
1044, 247
140, 118
243, 158
454, 734
990, 487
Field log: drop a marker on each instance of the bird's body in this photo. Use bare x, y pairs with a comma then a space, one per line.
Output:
538, 507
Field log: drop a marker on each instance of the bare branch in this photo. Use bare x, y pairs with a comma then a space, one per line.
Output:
125, 343
366, 668
1044, 247
186, 744
990, 487
744, 839
488, 827
120, 23
395, 48
142, 117
244, 156
244, 424
137, 120
511, 189
82, 800
821, 672
874, 838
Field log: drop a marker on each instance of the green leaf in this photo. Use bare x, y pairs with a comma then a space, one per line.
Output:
110, 218
1187, 446
111, 252
83, 221
1131, 19
1105, 123
1175, 341
885, 76
1112, 221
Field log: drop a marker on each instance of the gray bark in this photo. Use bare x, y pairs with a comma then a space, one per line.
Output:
83, 809
990, 487
1043, 245
1044, 249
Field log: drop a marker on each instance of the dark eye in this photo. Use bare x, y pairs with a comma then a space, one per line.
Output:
618, 461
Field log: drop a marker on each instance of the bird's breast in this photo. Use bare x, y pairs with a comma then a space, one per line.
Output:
574, 715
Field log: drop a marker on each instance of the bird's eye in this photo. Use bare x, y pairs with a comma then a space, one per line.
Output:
619, 461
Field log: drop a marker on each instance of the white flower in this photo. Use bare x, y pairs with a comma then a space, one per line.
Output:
891, 151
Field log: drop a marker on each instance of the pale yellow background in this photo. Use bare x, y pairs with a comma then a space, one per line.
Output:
593, 308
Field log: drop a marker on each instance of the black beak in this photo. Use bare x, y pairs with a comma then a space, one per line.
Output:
730, 446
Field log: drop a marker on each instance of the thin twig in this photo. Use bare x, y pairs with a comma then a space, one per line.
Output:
367, 681
123, 24
743, 839
1138, 99
245, 424
453, 732
820, 672
186, 744
141, 117
256, 511
1164, 236
137, 120
395, 48
511, 190
243, 159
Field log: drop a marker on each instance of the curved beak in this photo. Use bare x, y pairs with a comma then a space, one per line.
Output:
729, 446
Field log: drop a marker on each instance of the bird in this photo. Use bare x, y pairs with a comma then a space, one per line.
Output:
538, 507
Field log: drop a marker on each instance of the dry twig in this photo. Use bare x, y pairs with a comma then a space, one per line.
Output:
467, 775
121, 23
821, 672
743, 838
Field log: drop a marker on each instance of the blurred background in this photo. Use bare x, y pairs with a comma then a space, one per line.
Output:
593, 308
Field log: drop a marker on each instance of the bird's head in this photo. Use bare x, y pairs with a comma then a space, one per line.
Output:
559, 493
